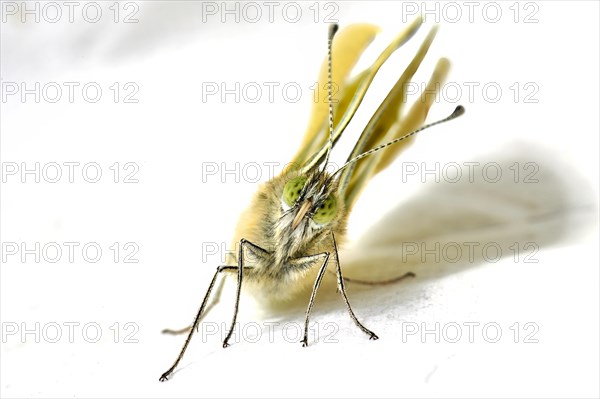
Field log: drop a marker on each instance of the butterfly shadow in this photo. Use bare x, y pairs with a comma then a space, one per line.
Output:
455, 226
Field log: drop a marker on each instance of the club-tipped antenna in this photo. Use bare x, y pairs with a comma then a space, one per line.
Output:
333, 28
458, 111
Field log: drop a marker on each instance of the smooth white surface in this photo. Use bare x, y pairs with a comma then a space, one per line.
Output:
171, 134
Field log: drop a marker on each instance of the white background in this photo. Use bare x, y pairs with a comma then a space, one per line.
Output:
174, 210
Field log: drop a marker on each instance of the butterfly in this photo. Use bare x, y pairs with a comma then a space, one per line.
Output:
290, 233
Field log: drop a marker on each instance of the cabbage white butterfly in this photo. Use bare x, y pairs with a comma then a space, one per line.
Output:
291, 229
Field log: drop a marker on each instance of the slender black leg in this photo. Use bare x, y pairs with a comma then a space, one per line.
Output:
342, 289
239, 289
313, 295
166, 374
381, 282
257, 251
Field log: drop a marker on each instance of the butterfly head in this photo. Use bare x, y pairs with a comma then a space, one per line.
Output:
310, 202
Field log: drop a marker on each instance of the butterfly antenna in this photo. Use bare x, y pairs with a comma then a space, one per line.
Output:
457, 112
333, 28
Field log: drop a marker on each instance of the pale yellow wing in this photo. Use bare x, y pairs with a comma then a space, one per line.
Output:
413, 119
389, 123
361, 86
378, 130
348, 45
417, 114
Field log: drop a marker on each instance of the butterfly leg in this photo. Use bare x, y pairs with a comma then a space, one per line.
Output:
256, 251
381, 282
318, 280
342, 290
194, 325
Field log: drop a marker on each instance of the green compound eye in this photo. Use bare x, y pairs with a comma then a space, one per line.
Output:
292, 190
327, 211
